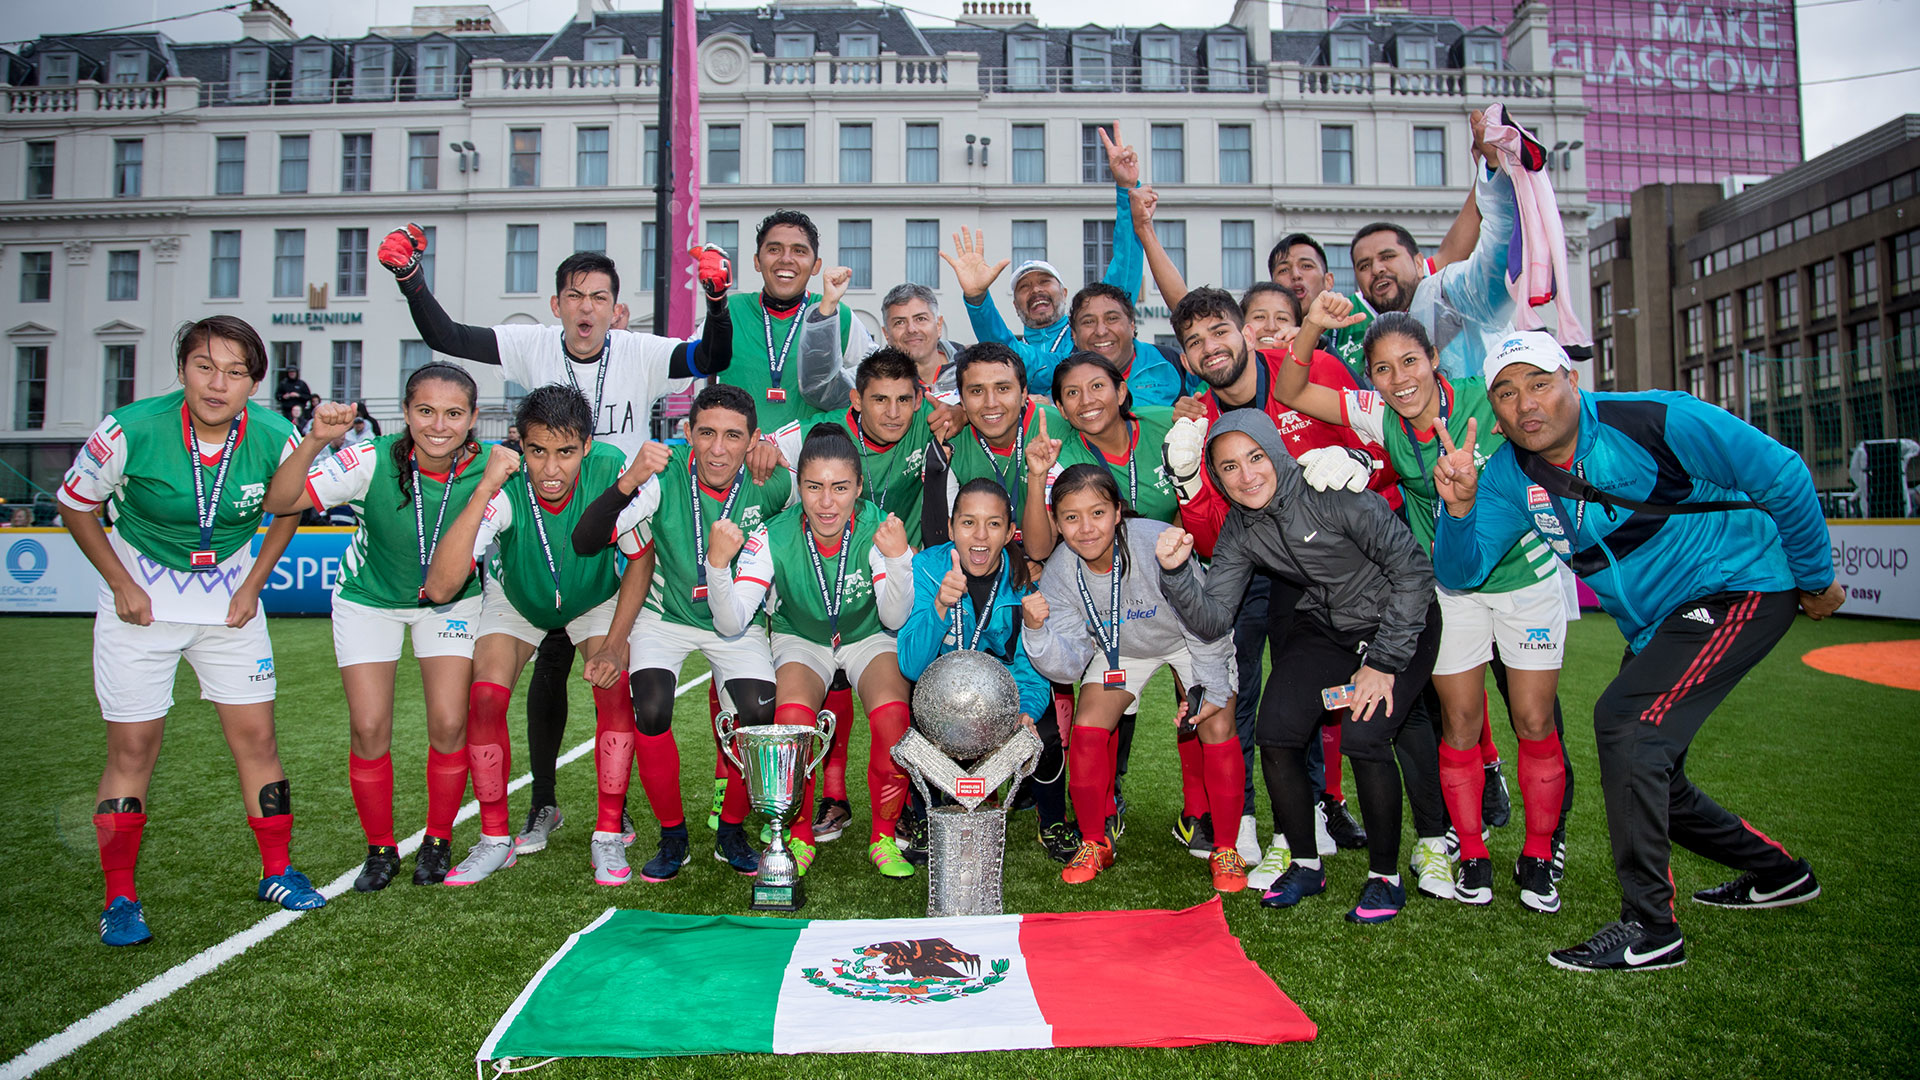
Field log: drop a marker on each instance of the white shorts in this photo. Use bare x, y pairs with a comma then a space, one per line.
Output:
1139, 669
851, 657
371, 635
499, 616
657, 643
1528, 625
134, 666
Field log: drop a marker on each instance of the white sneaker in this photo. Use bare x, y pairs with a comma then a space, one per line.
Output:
541, 821
1322, 839
1431, 869
1276, 862
609, 859
489, 854
1248, 842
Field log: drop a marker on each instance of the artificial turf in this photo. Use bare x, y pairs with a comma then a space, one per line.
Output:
407, 982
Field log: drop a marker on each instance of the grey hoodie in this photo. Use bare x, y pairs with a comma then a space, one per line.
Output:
1365, 577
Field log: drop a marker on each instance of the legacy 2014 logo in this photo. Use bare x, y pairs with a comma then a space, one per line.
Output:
916, 972
26, 561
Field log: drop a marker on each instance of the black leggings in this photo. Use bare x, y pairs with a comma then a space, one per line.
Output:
547, 711
1291, 713
653, 700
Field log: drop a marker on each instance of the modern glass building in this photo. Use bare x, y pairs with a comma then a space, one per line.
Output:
1679, 92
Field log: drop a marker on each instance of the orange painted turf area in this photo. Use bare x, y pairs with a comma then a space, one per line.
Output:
1889, 663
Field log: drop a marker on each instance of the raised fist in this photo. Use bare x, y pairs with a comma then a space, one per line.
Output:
716, 270
649, 461
501, 465
1033, 610
402, 250
1172, 548
891, 538
331, 420
724, 543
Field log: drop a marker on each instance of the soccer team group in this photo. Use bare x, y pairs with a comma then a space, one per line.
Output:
1376, 497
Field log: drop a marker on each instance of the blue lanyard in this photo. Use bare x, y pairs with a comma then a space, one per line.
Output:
985, 614
1105, 631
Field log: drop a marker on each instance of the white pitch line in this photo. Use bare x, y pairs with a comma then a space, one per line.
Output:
160, 987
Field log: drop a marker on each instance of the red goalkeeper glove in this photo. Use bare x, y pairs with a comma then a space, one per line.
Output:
716, 270
402, 250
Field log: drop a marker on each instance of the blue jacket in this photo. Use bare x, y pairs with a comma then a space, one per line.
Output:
1155, 379
1042, 347
926, 636
1662, 447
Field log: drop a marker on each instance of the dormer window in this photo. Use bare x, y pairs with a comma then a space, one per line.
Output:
1414, 52
1349, 51
793, 46
1483, 53
602, 50
1092, 62
312, 73
1157, 66
247, 75
57, 69
1226, 62
436, 71
373, 72
127, 67
1026, 63
859, 45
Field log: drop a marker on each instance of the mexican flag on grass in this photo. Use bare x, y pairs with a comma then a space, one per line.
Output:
646, 984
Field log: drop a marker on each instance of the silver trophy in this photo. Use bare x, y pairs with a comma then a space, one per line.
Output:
773, 759
966, 707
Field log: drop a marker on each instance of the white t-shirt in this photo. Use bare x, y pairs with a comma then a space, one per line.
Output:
635, 376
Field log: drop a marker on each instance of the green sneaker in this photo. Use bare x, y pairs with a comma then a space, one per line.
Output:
1272, 865
803, 853
713, 812
886, 857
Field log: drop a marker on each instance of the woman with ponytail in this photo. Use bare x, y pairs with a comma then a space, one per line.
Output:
404, 489
835, 574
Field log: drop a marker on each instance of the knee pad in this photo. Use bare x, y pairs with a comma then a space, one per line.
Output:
752, 701
652, 700
275, 799
125, 805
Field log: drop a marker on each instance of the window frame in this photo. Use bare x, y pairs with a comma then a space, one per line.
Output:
38, 183
522, 263
286, 261
1432, 157
859, 157
523, 163
423, 170
129, 170
922, 163
1328, 152
350, 262
225, 182
356, 162
1027, 164
1244, 153
789, 163
216, 260
587, 160
44, 277
1160, 73
713, 174
926, 252
851, 240
1171, 159
123, 276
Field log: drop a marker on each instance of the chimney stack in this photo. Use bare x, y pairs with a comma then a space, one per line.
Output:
264, 21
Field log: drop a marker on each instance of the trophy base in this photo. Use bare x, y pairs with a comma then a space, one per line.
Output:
778, 897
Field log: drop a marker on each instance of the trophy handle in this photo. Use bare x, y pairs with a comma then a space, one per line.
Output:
823, 731
724, 727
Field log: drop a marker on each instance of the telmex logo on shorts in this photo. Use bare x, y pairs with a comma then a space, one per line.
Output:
263, 670
26, 561
456, 628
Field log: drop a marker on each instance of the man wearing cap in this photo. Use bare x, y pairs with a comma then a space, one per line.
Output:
1039, 292
1702, 538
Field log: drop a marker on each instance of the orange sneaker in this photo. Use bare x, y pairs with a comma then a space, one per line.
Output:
1229, 870
1087, 863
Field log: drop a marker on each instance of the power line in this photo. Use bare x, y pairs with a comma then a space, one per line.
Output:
1851, 78
132, 25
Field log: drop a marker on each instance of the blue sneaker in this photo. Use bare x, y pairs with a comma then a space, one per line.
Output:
731, 847
666, 862
291, 890
1379, 901
1298, 883
124, 924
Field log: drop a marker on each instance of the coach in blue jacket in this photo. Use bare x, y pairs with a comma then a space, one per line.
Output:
1702, 538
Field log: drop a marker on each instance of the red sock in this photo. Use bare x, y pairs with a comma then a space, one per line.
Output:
372, 786
1226, 770
658, 758
273, 834
833, 771
733, 803
720, 771
1462, 782
1193, 784
119, 838
792, 713
1330, 755
489, 754
1489, 753
1090, 781
446, 785
612, 752
1543, 785
886, 780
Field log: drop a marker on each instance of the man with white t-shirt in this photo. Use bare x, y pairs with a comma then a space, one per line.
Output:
622, 374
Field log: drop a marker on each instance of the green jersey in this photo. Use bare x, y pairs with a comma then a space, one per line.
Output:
777, 557
763, 342
1143, 480
678, 593
139, 463
399, 519
1414, 454
547, 583
891, 477
972, 457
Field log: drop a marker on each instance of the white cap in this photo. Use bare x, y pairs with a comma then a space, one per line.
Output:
1032, 265
1536, 347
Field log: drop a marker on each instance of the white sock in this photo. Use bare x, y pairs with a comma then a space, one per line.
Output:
1310, 864
1391, 879
601, 834
485, 839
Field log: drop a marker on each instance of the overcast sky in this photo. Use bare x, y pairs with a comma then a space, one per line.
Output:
1838, 38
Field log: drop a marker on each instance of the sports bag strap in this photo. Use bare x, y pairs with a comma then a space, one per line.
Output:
1564, 483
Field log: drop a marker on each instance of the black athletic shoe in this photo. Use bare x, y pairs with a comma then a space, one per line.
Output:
1535, 878
730, 846
910, 835
1559, 867
1023, 801
1345, 831
1117, 821
1624, 946
1473, 882
383, 861
1061, 840
434, 859
1754, 890
1195, 834
667, 861
1496, 805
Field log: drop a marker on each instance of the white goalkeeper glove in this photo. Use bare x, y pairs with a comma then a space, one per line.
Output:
1334, 467
1181, 455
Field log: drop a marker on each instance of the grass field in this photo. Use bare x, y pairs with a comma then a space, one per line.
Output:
406, 983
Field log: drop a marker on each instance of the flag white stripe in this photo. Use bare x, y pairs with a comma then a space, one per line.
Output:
513, 1012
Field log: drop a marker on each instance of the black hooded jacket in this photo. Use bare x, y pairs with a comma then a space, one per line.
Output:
1364, 575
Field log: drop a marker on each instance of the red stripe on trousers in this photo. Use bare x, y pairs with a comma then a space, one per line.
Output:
1703, 662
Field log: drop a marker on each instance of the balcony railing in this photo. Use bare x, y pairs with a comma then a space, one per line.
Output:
85, 98
1146, 78
334, 91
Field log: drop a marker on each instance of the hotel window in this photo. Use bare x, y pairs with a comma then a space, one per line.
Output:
293, 164
40, 173
1786, 302
1029, 242
350, 263
1092, 62
128, 67
1096, 248
1093, 159
1336, 154
129, 156
373, 72
1236, 154
1483, 54
249, 68
590, 157
356, 162
1226, 62
57, 69
312, 74
1158, 66
36, 277
1863, 277
1169, 142
1430, 157
346, 371
1695, 319
1823, 289
29, 387
789, 153
123, 275
725, 235
223, 265
856, 153
1029, 153
523, 259
116, 384
923, 253
723, 154
436, 72
650, 156
1722, 322
523, 158
1026, 63
590, 236
856, 252
923, 153
1173, 238
1236, 255
423, 160
230, 165
1753, 315
289, 262
1906, 250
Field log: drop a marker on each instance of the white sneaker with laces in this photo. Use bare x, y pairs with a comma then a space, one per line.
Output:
541, 821
1275, 863
1248, 842
609, 851
1431, 868
1322, 839
490, 854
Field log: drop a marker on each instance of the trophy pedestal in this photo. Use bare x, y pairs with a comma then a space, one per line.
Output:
777, 897
965, 851
776, 886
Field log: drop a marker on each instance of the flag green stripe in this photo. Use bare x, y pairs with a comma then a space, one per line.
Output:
646, 984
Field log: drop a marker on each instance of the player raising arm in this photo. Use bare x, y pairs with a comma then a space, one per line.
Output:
184, 478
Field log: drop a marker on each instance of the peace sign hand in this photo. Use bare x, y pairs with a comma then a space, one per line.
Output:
1042, 452
1455, 476
1122, 161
